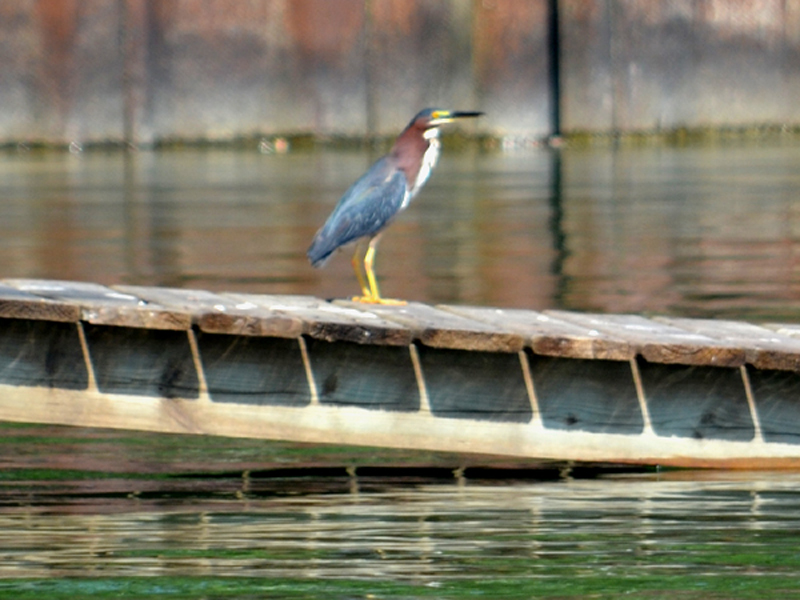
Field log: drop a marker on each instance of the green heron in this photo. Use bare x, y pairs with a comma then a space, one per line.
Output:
380, 195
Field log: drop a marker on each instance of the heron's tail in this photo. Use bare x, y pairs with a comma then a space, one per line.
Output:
320, 250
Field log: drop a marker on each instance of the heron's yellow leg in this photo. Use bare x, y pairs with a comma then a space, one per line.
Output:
373, 295
356, 262
369, 260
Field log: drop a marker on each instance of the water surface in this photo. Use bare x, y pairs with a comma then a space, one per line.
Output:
676, 535
707, 231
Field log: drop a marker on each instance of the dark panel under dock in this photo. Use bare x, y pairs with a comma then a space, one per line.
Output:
539, 385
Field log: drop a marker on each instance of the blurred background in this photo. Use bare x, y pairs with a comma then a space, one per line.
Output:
148, 71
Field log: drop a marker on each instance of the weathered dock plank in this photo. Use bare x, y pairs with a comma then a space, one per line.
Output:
19, 304
100, 305
548, 335
661, 342
540, 385
333, 322
443, 329
215, 313
763, 347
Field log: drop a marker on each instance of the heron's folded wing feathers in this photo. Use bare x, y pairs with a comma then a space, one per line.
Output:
366, 208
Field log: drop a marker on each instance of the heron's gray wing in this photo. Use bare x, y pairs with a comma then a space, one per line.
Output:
366, 208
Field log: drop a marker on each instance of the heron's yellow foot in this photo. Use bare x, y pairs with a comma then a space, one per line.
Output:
369, 299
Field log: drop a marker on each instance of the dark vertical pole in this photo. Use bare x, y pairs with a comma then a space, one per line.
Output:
554, 67
556, 200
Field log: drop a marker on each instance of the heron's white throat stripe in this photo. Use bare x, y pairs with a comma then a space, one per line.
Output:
428, 162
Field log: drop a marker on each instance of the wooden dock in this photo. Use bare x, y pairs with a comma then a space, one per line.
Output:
530, 385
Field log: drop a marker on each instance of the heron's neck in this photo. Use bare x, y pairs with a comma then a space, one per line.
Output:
429, 158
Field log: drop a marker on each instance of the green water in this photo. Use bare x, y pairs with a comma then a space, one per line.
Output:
145, 526
650, 537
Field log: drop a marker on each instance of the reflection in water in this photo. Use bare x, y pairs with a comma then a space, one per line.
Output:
706, 232
691, 231
557, 229
426, 533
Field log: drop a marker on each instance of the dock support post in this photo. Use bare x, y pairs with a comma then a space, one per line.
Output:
424, 402
536, 417
637, 382
751, 403
202, 385
312, 386
87, 359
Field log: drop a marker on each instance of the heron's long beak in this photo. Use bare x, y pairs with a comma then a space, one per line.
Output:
465, 114
445, 116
